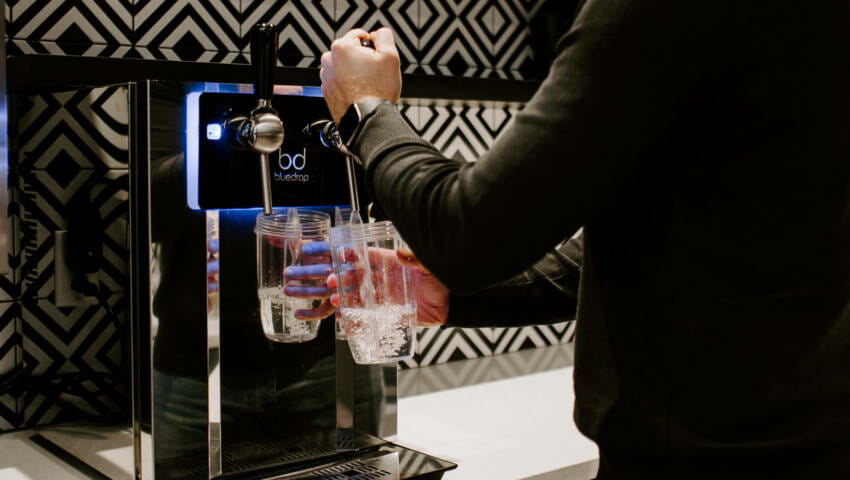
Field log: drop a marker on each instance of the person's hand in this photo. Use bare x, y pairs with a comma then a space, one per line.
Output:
308, 281
432, 297
212, 271
352, 73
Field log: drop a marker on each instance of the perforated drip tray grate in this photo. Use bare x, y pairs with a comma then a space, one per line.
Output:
246, 456
389, 462
356, 470
240, 458
298, 459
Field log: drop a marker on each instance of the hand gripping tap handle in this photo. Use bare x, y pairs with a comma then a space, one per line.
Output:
264, 38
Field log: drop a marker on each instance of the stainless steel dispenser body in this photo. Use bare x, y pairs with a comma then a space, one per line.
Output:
214, 395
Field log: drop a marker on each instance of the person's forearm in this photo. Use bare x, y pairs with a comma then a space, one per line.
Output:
597, 125
544, 294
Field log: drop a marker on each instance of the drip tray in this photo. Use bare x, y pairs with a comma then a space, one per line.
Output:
365, 457
389, 462
301, 460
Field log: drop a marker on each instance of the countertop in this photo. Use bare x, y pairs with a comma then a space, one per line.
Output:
503, 417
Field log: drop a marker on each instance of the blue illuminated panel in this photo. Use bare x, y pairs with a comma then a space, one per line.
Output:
221, 175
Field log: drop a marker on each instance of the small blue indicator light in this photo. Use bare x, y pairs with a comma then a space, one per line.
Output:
213, 131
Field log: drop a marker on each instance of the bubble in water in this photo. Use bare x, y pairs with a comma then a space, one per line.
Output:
277, 315
381, 334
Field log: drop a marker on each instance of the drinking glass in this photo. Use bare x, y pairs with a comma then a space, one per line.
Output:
287, 238
377, 302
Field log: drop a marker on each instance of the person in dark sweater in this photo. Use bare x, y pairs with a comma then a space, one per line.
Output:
704, 147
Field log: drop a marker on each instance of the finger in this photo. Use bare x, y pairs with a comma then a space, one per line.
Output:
323, 76
312, 314
334, 300
304, 291
347, 254
278, 242
406, 256
316, 248
317, 260
352, 278
212, 267
354, 35
381, 255
308, 272
288, 90
384, 40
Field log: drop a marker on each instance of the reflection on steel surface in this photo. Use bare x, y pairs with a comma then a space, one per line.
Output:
213, 348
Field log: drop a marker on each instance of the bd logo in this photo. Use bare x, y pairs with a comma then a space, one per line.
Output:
288, 162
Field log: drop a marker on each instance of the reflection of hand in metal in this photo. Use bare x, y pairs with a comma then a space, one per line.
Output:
212, 271
308, 280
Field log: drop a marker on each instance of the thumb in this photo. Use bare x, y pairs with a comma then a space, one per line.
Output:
406, 257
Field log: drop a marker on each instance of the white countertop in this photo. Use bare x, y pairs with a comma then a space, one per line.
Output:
22, 459
516, 428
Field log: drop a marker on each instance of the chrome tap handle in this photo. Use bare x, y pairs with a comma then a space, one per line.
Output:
263, 131
264, 37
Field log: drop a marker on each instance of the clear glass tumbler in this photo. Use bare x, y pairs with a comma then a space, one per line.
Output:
342, 216
288, 238
377, 300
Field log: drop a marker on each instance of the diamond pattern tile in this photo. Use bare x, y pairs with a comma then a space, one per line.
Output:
74, 28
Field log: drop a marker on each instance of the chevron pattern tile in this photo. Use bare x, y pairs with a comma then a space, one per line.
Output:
30, 47
453, 39
11, 358
306, 28
482, 38
509, 36
67, 144
400, 16
44, 211
89, 27
82, 341
462, 373
87, 128
7, 17
463, 130
188, 30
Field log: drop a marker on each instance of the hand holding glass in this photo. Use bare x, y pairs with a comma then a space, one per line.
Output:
377, 300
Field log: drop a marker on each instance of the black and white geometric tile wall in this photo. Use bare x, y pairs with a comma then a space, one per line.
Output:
66, 145
482, 38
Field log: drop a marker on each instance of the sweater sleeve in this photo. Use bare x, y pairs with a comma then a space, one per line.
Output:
597, 123
545, 293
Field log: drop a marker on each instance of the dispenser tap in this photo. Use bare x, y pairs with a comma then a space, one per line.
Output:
262, 130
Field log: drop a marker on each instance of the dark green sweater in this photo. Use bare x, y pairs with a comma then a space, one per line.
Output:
705, 149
